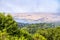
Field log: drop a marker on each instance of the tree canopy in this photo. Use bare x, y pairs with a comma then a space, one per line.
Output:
9, 30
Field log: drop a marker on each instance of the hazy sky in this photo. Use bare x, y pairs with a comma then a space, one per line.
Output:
17, 6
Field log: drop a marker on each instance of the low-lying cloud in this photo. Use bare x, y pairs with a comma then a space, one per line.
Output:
41, 17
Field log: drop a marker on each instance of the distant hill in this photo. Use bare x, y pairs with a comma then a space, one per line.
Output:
40, 25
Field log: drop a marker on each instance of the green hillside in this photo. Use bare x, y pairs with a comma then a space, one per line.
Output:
11, 30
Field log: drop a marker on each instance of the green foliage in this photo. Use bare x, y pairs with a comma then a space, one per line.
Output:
9, 30
50, 33
7, 23
37, 36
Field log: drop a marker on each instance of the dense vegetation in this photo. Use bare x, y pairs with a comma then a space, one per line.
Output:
9, 30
